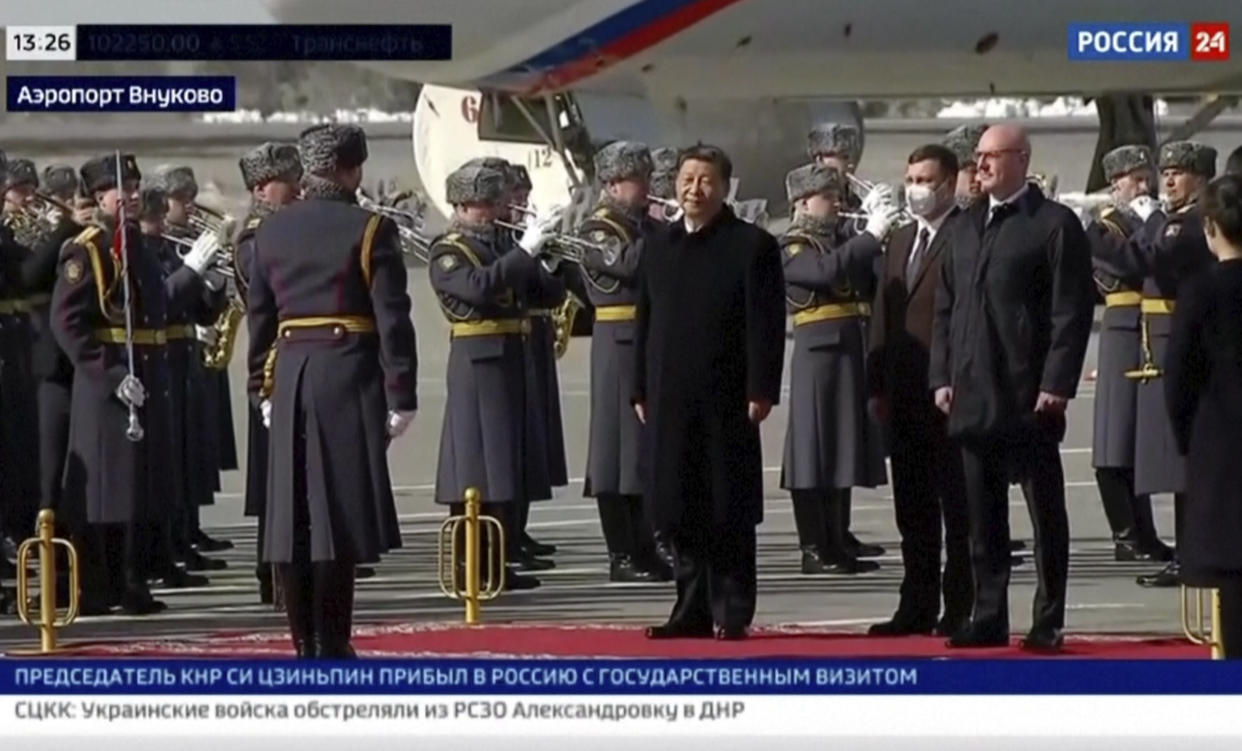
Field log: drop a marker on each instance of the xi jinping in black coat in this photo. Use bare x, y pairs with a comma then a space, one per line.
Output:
709, 345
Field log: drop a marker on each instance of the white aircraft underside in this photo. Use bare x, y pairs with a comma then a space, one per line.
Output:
753, 75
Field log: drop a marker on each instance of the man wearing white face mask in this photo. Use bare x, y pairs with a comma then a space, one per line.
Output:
927, 471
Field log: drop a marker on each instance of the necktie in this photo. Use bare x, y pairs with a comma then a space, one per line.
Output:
916, 257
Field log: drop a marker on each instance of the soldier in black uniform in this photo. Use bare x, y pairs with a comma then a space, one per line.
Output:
830, 443
1169, 250
19, 445
111, 481
838, 146
617, 230
1131, 170
963, 141
271, 172
484, 281
214, 410
189, 301
333, 366
545, 296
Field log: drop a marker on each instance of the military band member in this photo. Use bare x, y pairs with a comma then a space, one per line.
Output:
1233, 163
963, 141
547, 292
1170, 250
1131, 171
333, 366
272, 173
110, 481
52, 371
184, 219
830, 446
482, 279
617, 229
188, 302
663, 183
838, 146
19, 446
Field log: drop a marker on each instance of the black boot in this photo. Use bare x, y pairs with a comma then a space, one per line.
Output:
1149, 543
334, 610
623, 569
614, 520
856, 547
1117, 498
297, 588
263, 572
527, 545
839, 556
808, 509
645, 556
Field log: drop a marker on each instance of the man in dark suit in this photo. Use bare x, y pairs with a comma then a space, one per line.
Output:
1013, 316
709, 344
927, 469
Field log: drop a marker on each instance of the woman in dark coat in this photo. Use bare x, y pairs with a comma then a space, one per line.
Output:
1203, 389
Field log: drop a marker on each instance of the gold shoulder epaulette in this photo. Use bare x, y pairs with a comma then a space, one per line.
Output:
87, 236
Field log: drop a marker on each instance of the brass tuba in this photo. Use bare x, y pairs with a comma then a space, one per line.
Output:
563, 317
219, 351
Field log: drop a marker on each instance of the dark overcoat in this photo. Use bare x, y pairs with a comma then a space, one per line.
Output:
256, 434
1014, 311
709, 338
831, 441
19, 440
1203, 386
344, 355
109, 478
610, 271
487, 440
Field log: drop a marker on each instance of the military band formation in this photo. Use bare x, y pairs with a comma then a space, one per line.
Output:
123, 296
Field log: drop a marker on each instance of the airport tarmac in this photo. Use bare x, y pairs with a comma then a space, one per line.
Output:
1103, 596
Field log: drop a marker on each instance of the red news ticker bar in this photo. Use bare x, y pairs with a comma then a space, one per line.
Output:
1209, 41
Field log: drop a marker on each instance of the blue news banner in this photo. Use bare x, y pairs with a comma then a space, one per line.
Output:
121, 93
615, 677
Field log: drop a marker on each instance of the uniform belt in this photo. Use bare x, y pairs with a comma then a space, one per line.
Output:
831, 312
491, 326
616, 312
1122, 299
339, 324
1157, 306
285, 329
540, 312
144, 337
14, 306
36, 300
180, 332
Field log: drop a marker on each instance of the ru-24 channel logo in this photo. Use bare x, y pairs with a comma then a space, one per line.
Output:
1204, 41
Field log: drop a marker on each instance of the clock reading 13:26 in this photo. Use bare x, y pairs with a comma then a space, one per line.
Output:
41, 43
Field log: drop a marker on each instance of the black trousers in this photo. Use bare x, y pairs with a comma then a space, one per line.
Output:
929, 491
1231, 618
54, 400
988, 467
716, 577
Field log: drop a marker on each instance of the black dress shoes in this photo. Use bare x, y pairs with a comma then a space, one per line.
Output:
515, 582
195, 561
531, 563
813, 562
1133, 550
903, 625
532, 546
176, 578
1169, 576
1043, 640
623, 570
975, 636
207, 544
859, 549
730, 633
679, 631
948, 625
363, 572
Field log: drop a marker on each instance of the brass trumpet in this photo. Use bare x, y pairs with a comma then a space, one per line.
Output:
866, 186
410, 226
671, 209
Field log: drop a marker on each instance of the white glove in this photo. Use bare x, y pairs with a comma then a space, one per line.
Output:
881, 194
203, 252
265, 409
881, 220
1083, 215
1144, 206
540, 230
131, 391
398, 421
206, 334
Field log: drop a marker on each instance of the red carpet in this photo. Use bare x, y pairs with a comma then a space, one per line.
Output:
574, 640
